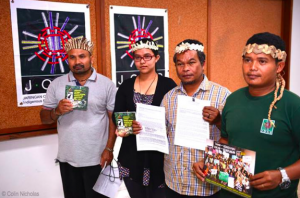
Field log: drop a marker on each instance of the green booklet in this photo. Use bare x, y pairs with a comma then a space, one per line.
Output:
78, 95
124, 122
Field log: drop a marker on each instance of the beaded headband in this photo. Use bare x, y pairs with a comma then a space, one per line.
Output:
187, 46
140, 45
79, 43
266, 49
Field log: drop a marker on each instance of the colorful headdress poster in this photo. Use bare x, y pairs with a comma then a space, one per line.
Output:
40, 30
131, 24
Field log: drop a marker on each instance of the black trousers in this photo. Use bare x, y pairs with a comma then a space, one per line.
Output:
79, 182
137, 190
172, 194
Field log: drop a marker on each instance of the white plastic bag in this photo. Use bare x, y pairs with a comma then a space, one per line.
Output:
108, 182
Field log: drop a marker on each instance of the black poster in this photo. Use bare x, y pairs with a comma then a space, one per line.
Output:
129, 28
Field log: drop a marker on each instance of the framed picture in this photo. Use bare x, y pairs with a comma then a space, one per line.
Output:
130, 24
40, 30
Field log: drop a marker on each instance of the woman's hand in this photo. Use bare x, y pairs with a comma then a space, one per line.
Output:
136, 127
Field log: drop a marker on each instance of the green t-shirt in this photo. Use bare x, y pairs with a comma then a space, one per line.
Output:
243, 125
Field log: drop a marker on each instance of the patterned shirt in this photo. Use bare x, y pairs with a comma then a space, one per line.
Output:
178, 164
141, 98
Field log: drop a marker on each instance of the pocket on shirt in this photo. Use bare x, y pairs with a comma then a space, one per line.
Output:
97, 103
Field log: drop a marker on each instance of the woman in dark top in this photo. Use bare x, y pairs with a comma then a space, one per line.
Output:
142, 171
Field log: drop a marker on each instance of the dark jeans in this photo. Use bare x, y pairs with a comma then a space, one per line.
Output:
172, 194
79, 182
137, 190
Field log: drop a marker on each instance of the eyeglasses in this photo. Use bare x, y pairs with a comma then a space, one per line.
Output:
145, 58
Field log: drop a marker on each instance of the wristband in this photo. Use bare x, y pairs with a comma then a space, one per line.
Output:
109, 149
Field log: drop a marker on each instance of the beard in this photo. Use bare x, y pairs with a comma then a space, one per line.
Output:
188, 82
78, 65
83, 69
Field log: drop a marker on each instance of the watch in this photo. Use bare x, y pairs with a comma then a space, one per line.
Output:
286, 182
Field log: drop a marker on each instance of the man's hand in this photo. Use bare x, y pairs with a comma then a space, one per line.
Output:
212, 115
107, 156
223, 140
198, 170
266, 180
64, 106
50, 116
136, 127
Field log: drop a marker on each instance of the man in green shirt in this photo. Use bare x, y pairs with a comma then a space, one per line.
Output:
264, 117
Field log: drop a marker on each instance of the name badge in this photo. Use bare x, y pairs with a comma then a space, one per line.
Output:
267, 127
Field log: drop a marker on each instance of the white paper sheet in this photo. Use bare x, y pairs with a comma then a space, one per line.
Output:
191, 130
106, 185
153, 135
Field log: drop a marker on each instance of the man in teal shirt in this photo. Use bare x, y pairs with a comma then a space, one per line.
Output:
264, 117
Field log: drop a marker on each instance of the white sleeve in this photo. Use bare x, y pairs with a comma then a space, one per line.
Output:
111, 95
50, 101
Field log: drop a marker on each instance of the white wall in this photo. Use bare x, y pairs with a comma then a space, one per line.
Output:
27, 165
295, 49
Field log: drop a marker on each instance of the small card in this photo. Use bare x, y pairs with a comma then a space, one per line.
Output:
78, 95
124, 122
